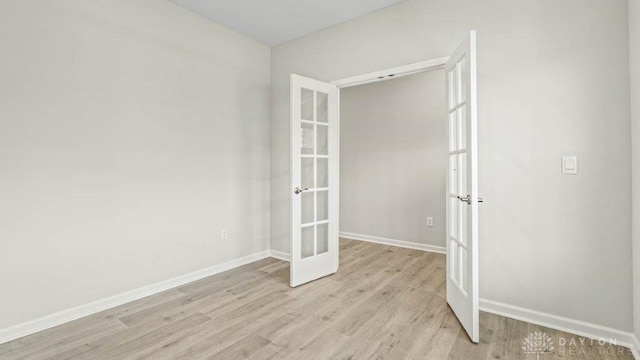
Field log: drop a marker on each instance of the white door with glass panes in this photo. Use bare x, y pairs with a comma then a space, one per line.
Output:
462, 187
315, 131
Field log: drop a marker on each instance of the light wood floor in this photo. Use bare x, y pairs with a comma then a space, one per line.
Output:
384, 303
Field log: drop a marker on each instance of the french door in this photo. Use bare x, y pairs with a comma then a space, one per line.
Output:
462, 187
315, 132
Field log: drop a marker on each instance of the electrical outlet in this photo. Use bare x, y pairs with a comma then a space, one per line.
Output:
224, 234
430, 222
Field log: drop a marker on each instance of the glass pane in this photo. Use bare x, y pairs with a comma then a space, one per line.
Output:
323, 173
323, 107
453, 217
306, 176
453, 131
461, 80
451, 82
306, 208
462, 174
462, 267
323, 205
307, 139
453, 174
323, 238
453, 273
458, 83
306, 111
462, 127
307, 242
322, 140
462, 222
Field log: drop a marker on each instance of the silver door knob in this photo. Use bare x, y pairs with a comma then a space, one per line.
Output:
297, 190
465, 199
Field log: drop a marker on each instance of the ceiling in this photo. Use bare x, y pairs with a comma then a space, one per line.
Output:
274, 22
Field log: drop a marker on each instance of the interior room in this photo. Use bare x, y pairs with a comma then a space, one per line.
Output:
391, 179
393, 161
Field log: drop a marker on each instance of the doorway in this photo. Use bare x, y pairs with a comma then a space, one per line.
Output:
393, 161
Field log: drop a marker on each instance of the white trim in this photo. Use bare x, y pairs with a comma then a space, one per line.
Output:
392, 73
280, 255
64, 316
577, 327
393, 242
635, 349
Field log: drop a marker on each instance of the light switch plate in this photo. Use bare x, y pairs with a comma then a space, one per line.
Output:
570, 165
430, 222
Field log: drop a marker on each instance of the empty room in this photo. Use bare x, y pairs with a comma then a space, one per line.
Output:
388, 179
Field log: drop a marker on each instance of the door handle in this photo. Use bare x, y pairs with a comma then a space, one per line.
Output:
297, 190
467, 199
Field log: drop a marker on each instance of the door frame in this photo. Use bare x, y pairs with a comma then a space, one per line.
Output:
395, 72
383, 75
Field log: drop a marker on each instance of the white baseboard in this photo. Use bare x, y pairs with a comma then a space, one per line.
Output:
577, 327
393, 242
280, 255
636, 348
374, 239
81, 311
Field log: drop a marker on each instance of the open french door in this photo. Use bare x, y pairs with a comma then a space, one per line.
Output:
315, 132
462, 187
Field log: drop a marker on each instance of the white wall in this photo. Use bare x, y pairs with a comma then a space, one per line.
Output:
553, 81
393, 158
634, 61
130, 133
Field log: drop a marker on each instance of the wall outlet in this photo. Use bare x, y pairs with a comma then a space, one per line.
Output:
430, 222
224, 234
